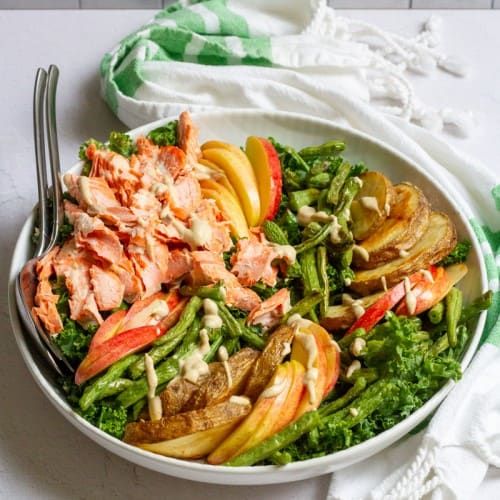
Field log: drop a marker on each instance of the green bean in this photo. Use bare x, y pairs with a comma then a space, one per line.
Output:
305, 197
368, 374
322, 263
338, 181
115, 387
358, 387
453, 313
166, 370
167, 343
236, 329
313, 316
330, 148
274, 233
302, 307
315, 240
435, 313
137, 408
281, 458
310, 276
95, 390
319, 181
366, 403
345, 342
214, 292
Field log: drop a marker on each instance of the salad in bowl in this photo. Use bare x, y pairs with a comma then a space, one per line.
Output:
250, 304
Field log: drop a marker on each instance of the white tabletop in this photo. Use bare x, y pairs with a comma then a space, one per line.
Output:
41, 454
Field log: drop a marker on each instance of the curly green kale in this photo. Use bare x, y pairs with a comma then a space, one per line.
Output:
109, 416
165, 136
458, 254
73, 341
82, 152
121, 143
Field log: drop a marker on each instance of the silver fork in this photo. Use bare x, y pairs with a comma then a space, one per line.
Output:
44, 106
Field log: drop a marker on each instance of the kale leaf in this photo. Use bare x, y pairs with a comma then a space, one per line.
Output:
121, 143
165, 136
458, 254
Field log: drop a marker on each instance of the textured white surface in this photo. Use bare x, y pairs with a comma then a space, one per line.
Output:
41, 455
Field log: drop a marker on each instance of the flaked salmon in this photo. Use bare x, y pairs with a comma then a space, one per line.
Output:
269, 312
187, 136
208, 268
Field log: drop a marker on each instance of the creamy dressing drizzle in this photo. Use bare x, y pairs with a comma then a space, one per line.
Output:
239, 400
193, 367
354, 412
403, 254
384, 283
211, 318
427, 275
275, 389
354, 366
362, 252
358, 181
307, 214
357, 308
157, 310
309, 343
286, 349
347, 281
357, 346
223, 356
285, 252
154, 401
411, 300
370, 203
335, 228
387, 208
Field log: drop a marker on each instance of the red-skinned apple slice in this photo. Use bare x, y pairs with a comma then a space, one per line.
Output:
283, 409
332, 355
109, 328
115, 348
144, 312
377, 310
308, 351
267, 167
429, 293
235, 442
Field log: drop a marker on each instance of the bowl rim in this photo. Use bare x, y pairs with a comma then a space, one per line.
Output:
211, 473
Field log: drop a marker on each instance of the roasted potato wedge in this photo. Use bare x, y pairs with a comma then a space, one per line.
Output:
182, 395
183, 424
341, 317
437, 241
407, 222
216, 388
371, 205
196, 445
271, 357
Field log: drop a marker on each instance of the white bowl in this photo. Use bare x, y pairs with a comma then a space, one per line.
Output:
297, 131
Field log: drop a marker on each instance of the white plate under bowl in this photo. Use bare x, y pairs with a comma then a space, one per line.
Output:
297, 131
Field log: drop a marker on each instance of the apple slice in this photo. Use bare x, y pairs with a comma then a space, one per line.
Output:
150, 310
109, 328
240, 173
229, 206
225, 145
377, 310
218, 175
113, 349
267, 167
262, 416
429, 293
192, 446
308, 350
332, 355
